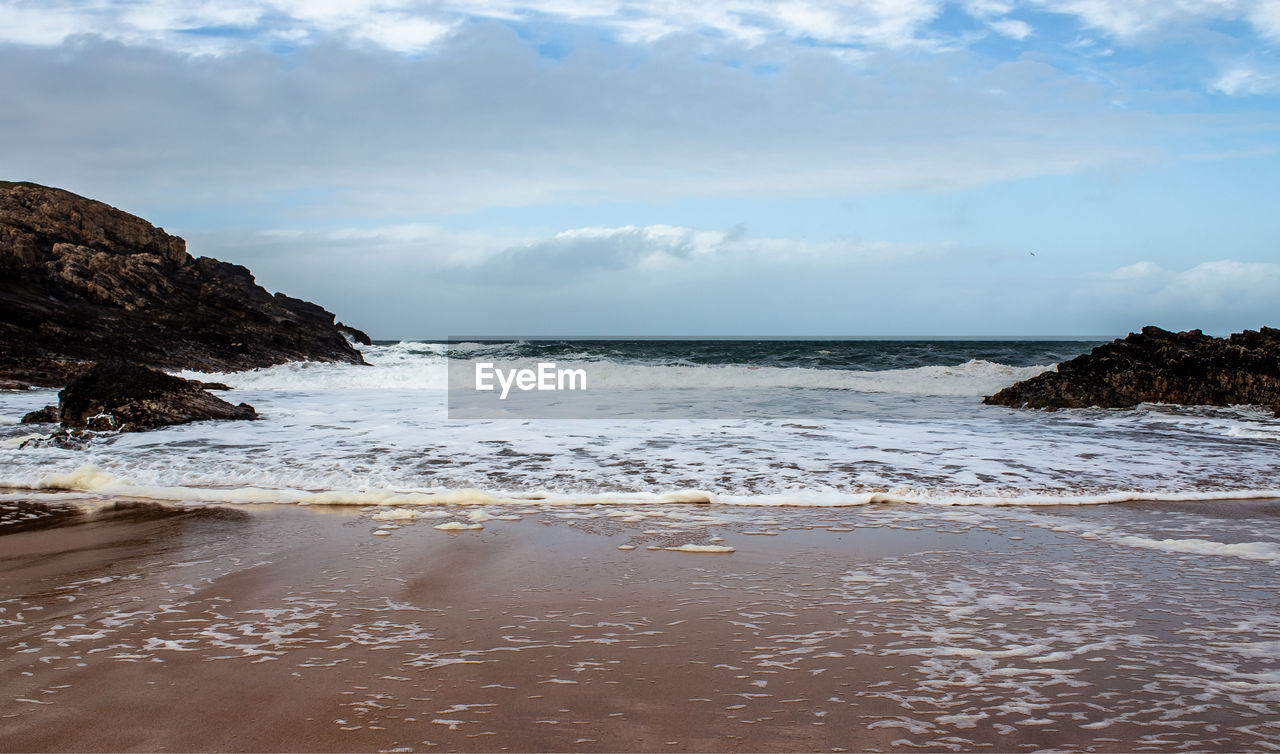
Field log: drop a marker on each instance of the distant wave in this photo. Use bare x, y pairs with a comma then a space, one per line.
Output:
422, 366
973, 377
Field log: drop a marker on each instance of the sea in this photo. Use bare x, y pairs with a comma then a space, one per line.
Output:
732, 422
715, 546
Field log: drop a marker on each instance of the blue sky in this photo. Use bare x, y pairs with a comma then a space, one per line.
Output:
611, 167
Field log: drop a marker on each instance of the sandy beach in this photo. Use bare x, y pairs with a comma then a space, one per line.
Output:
640, 376
129, 626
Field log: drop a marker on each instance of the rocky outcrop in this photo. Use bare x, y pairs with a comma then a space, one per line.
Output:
46, 415
1158, 366
81, 281
128, 398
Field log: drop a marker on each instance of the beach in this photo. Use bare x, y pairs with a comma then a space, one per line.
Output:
130, 626
624, 375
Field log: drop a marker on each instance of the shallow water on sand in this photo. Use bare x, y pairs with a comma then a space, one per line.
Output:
883, 627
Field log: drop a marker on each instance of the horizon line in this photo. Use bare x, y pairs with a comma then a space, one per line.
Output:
517, 338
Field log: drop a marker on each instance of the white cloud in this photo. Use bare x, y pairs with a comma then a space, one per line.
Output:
1126, 18
848, 30
400, 32
29, 25
413, 25
1265, 17
1223, 284
1131, 18
1243, 79
1012, 28
1139, 271
1204, 294
994, 14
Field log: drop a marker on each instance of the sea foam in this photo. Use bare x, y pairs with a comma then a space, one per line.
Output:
381, 435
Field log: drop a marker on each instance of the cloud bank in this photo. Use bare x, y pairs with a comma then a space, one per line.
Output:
419, 279
490, 122
412, 26
1205, 290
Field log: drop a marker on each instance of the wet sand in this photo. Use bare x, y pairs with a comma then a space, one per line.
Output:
883, 628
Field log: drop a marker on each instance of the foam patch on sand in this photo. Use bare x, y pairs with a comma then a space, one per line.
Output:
702, 548
407, 514
1264, 551
1267, 552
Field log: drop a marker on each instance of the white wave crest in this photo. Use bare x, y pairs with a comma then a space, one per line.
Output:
424, 366
1254, 433
91, 479
974, 377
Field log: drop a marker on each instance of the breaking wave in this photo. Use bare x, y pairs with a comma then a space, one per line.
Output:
908, 431
425, 366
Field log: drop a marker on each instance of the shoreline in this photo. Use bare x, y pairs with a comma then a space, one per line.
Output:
880, 628
89, 481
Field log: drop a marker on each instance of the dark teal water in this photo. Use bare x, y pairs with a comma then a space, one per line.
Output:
859, 355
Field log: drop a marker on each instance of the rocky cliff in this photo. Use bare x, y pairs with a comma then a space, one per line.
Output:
81, 281
1158, 366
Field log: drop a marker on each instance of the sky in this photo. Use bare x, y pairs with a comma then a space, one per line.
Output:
427, 169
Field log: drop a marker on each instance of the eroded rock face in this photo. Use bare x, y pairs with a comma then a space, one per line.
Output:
1158, 366
81, 281
128, 398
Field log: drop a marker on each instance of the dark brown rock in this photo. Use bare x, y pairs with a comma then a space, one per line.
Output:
81, 281
129, 398
46, 415
1158, 366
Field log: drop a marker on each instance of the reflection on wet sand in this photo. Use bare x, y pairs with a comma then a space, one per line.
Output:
886, 628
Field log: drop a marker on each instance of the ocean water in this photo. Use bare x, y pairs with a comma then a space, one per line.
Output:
545, 584
798, 423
